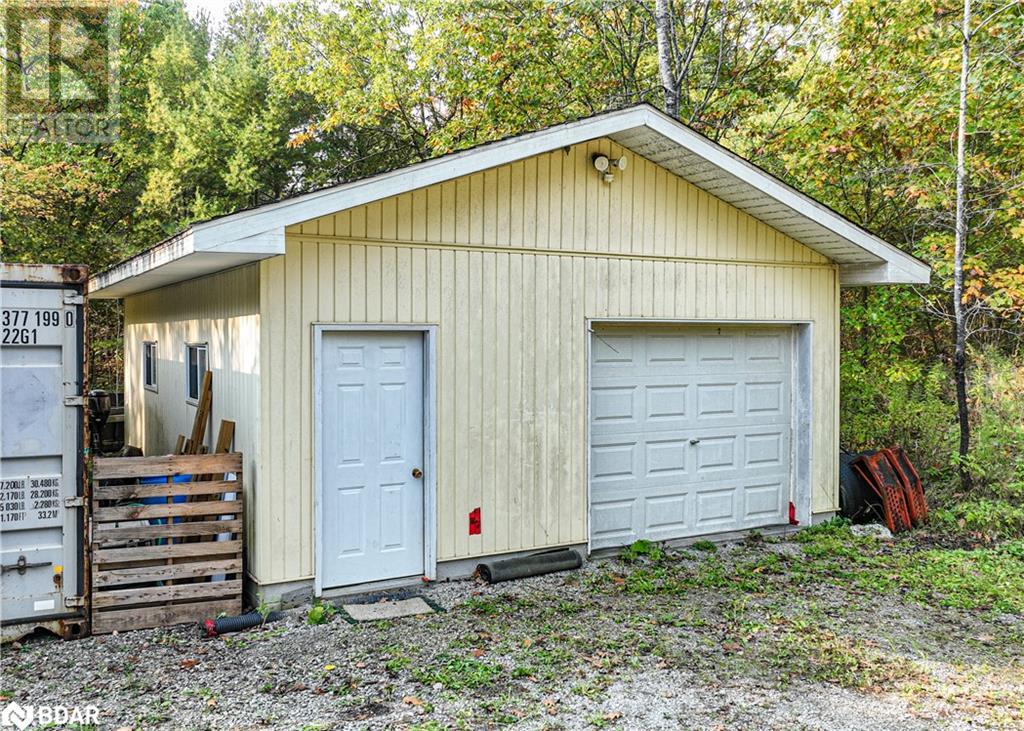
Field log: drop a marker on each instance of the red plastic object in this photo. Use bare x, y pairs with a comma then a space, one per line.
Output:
474, 522
879, 473
913, 490
210, 627
792, 514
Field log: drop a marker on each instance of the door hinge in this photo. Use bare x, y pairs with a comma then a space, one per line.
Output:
74, 502
73, 299
74, 401
74, 601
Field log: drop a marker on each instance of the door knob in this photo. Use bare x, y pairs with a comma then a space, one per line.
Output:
417, 472
695, 441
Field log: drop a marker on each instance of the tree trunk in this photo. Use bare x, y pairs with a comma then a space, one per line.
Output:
959, 246
666, 66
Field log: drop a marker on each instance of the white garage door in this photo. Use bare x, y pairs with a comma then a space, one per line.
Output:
690, 431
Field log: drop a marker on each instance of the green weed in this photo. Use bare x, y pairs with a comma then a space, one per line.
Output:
706, 546
458, 673
320, 612
641, 549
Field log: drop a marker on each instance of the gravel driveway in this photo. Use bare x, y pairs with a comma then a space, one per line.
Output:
588, 649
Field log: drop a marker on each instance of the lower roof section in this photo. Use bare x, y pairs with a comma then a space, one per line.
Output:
178, 259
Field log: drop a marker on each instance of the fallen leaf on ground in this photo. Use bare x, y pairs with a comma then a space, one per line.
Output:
411, 700
188, 663
477, 652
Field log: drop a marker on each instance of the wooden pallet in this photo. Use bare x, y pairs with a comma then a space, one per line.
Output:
155, 575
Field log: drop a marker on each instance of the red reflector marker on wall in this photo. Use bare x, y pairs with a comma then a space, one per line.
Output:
792, 514
474, 522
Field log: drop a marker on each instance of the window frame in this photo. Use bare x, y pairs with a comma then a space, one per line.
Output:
149, 361
204, 347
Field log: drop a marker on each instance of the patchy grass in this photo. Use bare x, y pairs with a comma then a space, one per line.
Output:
925, 620
981, 578
458, 673
800, 649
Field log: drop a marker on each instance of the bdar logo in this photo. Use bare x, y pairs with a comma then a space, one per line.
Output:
16, 715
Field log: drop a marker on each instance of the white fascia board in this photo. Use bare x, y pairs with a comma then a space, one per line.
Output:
160, 255
420, 175
866, 275
182, 258
906, 269
269, 242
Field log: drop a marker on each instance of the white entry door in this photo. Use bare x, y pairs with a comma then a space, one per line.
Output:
372, 485
690, 431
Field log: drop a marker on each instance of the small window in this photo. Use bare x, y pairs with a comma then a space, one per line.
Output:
195, 365
149, 365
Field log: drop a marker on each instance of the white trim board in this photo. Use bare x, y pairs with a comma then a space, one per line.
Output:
257, 233
429, 441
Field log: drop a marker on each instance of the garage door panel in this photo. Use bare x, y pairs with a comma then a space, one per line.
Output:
612, 522
764, 398
690, 432
764, 500
662, 350
766, 348
615, 404
614, 351
666, 515
666, 402
665, 457
612, 462
717, 400
719, 349
716, 453
764, 449
716, 508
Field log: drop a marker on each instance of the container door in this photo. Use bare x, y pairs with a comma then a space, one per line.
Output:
40, 452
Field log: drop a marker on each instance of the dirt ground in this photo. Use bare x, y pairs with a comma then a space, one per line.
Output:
835, 632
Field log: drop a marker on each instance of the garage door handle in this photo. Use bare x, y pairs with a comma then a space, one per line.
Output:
695, 441
417, 473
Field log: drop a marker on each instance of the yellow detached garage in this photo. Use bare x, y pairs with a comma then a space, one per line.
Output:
608, 330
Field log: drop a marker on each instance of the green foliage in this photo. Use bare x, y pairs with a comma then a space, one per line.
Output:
989, 518
985, 578
976, 579
458, 673
706, 546
641, 549
320, 613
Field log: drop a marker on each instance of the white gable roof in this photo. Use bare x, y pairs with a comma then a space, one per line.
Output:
258, 233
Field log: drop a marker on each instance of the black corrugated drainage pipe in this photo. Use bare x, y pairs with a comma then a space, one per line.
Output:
563, 559
223, 625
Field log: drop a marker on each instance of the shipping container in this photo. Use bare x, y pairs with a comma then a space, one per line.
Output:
42, 449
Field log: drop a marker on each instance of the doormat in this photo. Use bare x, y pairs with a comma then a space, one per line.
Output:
383, 608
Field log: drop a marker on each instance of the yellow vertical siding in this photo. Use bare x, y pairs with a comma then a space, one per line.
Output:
510, 264
223, 311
